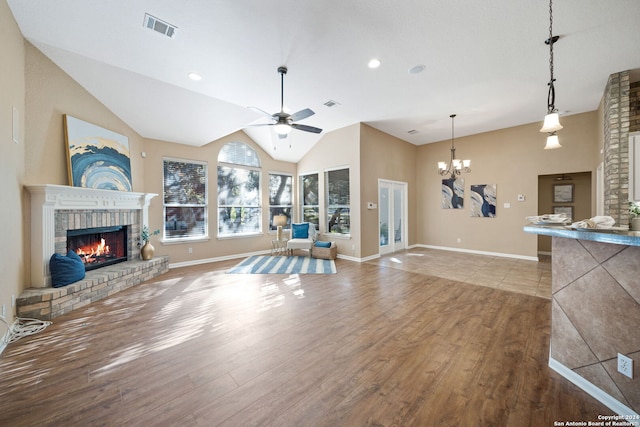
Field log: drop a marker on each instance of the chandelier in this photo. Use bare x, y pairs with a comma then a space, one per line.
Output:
455, 166
551, 121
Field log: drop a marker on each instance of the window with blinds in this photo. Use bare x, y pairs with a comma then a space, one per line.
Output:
239, 209
310, 199
184, 199
338, 201
280, 197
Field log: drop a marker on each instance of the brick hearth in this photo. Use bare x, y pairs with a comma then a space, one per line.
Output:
47, 303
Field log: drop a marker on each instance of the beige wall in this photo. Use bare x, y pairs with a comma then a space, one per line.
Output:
383, 156
512, 158
51, 93
14, 206
213, 248
338, 149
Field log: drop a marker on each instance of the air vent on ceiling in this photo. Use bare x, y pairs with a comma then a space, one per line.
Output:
331, 104
159, 26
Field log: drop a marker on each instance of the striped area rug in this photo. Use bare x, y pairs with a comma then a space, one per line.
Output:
259, 264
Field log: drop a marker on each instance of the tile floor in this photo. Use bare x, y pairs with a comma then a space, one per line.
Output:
522, 276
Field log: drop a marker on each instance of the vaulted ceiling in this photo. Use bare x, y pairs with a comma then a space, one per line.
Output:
485, 61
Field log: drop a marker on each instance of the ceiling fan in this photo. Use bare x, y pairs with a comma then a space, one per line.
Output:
284, 122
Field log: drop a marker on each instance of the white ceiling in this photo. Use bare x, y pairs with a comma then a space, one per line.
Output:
485, 61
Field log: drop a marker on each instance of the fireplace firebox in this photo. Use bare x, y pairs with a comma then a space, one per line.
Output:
100, 246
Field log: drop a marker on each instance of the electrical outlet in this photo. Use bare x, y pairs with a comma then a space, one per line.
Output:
3, 313
625, 365
190, 250
13, 300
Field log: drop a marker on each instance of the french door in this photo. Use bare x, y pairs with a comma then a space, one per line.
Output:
392, 211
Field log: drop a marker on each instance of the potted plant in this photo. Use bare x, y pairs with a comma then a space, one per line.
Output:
147, 249
634, 216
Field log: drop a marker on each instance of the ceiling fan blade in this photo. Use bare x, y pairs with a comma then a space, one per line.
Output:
302, 114
306, 128
259, 111
259, 124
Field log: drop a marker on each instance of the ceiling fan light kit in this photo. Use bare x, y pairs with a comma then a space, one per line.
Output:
283, 122
282, 128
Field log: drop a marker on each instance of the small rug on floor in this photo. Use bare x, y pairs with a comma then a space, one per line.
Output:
260, 264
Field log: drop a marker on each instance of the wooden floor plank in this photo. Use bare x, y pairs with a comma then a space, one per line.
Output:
380, 343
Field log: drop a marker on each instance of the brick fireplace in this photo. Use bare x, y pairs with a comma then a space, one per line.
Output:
55, 209
57, 212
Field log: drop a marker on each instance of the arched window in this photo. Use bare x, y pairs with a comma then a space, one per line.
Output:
239, 210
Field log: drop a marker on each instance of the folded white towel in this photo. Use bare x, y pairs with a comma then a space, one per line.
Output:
595, 222
549, 218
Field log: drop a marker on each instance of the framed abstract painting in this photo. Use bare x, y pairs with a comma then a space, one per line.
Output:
452, 193
97, 157
483, 200
563, 193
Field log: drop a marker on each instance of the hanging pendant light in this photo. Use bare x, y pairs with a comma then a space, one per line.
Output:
551, 121
552, 142
455, 166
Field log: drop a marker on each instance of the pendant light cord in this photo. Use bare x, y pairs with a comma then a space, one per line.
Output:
551, 96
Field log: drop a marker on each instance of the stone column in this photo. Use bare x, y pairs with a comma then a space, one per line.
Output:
616, 147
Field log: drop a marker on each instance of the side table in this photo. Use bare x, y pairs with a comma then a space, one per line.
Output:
279, 247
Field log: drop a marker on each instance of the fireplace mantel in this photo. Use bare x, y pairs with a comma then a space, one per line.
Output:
47, 198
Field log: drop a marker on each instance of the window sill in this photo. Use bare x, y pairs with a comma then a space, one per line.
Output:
184, 240
239, 236
336, 236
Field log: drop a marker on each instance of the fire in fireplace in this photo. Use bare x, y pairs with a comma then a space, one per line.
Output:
99, 247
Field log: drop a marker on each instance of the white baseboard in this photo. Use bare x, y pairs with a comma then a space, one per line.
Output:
351, 258
216, 259
472, 251
595, 392
369, 258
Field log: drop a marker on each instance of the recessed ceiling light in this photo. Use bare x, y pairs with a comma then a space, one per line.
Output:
416, 69
374, 63
195, 76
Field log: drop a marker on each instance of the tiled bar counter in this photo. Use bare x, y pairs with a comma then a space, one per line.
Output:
596, 312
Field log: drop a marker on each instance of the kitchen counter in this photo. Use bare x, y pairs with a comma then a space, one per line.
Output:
618, 237
595, 311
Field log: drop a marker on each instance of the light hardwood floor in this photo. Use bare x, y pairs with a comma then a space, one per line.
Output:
381, 343
516, 275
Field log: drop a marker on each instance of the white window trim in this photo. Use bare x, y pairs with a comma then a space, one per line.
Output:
326, 200
260, 189
167, 241
301, 197
293, 205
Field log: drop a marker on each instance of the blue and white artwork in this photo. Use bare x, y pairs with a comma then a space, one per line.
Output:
483, 201
453, 193
98, 158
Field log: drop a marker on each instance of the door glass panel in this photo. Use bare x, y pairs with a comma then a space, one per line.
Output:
397, 214
384, 215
